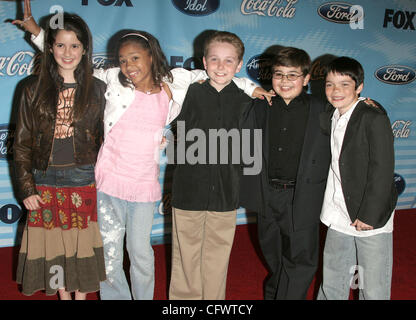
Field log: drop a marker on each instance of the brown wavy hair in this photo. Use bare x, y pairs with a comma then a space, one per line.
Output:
50, 82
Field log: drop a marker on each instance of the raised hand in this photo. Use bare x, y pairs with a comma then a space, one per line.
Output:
28, 23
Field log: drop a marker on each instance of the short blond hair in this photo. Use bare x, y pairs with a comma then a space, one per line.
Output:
229, 37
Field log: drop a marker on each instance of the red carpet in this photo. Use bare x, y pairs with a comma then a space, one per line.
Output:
247, 270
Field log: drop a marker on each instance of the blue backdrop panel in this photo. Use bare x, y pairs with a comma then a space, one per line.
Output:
380, 34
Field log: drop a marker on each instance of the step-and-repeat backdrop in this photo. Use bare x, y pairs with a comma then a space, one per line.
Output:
380, 34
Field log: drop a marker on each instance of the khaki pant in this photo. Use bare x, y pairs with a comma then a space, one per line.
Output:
201, 247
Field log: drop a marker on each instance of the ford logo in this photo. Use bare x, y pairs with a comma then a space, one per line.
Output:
197, 7
400, 183
6, 141
102, 60
339, 12
395, 74
258, 68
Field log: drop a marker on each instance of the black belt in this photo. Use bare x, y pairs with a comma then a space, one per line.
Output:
282, 184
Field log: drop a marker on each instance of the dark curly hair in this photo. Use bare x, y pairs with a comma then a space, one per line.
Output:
160, 66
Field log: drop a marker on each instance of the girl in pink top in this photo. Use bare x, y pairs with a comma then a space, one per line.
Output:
127, 171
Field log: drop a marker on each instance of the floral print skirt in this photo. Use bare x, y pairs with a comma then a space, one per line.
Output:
61, 244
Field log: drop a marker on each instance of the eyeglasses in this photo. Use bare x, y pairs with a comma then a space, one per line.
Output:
291, 76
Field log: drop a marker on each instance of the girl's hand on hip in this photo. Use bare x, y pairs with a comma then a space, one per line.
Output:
32, 202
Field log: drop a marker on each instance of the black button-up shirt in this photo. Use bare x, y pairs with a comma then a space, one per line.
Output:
209, 184
287, 125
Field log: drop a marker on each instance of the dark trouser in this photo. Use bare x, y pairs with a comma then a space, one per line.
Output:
292, 256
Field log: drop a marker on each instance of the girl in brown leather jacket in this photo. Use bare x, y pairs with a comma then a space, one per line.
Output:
58, 135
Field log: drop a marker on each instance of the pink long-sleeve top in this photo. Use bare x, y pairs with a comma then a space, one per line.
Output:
127, 164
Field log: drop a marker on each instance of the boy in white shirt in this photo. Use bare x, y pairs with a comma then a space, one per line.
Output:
360, 195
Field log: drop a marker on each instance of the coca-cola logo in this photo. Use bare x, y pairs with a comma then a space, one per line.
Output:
258, 68
400, 183
165, 206
6, 141
20, 64
395, 74
340, 12
24, 63
401, 129
275, 8
197, 7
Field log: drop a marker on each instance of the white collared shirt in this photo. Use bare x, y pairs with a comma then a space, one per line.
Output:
334, 212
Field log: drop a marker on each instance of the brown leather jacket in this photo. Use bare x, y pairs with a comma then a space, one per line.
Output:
33, 138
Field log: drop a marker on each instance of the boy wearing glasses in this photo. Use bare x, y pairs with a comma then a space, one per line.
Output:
297, 157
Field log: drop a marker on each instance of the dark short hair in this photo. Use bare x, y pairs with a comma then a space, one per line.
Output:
292, 57
228, 37
347, 67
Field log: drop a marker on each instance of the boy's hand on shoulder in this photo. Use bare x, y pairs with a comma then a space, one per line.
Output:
361, 226
260, 93
370, 102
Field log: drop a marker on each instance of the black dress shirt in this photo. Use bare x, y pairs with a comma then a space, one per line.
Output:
209, 185
287, 125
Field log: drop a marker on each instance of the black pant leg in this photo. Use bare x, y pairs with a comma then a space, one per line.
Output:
270, 244
300, 258
270, 226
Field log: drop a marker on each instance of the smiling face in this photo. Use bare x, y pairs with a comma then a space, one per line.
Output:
136, 64
221, 63
341, 92
67, 51
289, 89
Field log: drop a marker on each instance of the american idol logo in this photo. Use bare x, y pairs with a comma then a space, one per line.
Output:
258, 68
6, 141
395, 74
101, 60
20, 64
340, 12
197, 7
400, 183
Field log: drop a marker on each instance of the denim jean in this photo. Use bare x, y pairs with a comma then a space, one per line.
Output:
117, 218
65, 176
371, 256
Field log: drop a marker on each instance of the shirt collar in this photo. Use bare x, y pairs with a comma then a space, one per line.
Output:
301, 98
228, 87
346, 115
